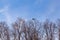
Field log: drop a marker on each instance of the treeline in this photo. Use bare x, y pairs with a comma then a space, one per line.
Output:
30, 30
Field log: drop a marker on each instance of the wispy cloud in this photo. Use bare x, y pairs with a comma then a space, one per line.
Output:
4, 11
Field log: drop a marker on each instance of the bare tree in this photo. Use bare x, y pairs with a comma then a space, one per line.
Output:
52, 28
34, 29
17, 26
58, 24
49, 29
46, 27
29, 30
4, 32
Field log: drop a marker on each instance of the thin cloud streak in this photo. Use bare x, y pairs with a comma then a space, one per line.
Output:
5, 12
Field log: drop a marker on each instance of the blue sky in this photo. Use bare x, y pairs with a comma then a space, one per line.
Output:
27, 9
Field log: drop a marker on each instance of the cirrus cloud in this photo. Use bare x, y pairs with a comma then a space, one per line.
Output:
4, 11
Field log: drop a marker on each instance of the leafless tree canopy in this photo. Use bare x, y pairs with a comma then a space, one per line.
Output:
30, 30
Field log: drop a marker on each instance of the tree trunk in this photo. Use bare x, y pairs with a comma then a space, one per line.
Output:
59, 34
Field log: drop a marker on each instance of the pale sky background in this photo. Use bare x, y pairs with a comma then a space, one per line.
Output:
27, 9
